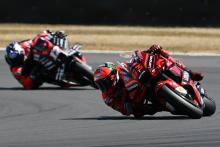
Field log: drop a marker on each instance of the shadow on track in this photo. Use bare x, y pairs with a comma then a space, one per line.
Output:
131, 118
45, 88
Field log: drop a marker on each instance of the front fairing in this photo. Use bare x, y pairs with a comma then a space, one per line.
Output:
187, 89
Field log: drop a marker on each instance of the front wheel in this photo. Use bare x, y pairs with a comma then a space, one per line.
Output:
84, 75
180, 103
210, 106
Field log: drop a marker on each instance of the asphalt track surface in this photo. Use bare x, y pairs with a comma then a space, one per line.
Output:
54, 117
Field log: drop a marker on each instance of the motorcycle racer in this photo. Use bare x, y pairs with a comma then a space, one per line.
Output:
16, 54
121, 92
19, 56
126, 87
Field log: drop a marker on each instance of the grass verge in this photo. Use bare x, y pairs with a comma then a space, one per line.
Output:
175, 39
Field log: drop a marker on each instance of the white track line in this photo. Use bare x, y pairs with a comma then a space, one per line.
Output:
172, 53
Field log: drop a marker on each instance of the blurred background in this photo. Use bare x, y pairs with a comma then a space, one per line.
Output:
172, 21
114, 12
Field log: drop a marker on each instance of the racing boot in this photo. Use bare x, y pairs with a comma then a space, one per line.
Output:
147, 109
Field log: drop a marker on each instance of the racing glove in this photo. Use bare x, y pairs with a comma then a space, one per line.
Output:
158, 49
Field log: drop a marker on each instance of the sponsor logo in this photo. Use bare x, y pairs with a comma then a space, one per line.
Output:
150, 61
186, 76
181, 90
154, 70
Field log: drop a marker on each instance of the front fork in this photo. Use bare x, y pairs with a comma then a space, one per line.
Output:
201, 91
198, 91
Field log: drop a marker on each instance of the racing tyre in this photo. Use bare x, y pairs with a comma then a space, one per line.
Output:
210, 106
180, 103
85, 75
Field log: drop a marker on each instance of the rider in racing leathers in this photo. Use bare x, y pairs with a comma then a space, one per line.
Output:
121, 92
122, 85
18, 56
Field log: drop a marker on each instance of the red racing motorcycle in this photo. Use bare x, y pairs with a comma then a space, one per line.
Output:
174, 88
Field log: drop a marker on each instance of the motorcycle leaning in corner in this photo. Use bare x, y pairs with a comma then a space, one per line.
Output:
42, 61
70, 68
173, 87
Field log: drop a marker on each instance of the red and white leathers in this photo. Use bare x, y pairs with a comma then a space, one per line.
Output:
128, 95
27, 81
50, 53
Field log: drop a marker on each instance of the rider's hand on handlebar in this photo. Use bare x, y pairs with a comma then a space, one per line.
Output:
60, 34
155, 48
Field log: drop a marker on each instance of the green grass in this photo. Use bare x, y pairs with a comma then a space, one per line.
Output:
121, 37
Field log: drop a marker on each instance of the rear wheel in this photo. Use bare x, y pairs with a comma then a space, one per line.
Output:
181, 104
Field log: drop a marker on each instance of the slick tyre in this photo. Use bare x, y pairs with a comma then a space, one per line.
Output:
84, 75
181, 104
210, 106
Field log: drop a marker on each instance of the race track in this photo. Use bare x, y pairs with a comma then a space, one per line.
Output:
54, 117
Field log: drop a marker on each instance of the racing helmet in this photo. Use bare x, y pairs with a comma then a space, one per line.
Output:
14, 54
106, 76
